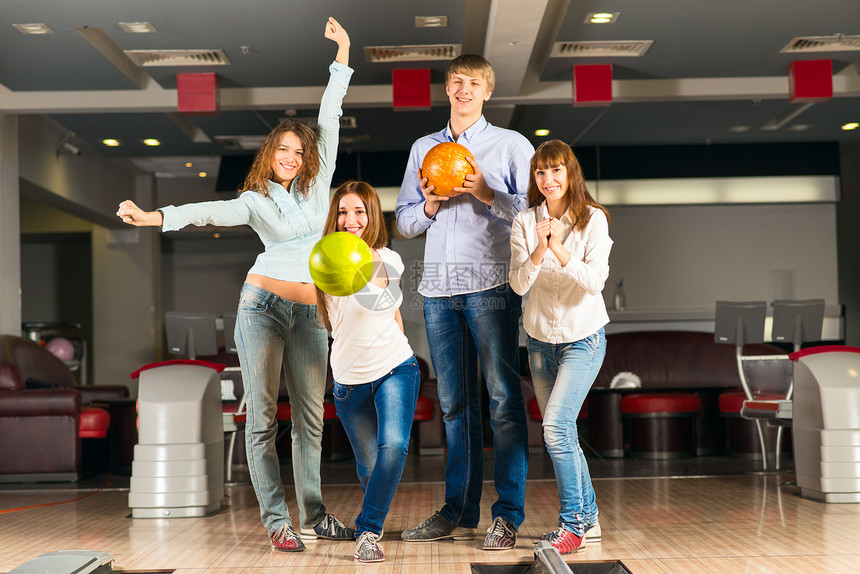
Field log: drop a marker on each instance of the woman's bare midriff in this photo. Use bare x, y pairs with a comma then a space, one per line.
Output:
289, 290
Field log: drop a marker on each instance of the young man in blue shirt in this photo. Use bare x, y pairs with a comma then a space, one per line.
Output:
470, 311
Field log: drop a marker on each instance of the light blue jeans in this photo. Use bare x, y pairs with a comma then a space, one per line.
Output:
460, 330
377, 418
562, 375
273, 334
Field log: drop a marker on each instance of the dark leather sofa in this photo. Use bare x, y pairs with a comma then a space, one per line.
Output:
40, 408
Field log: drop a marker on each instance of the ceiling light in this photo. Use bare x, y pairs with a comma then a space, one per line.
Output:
602, 17
542, 132
110, 142
202, 174
152, 142
799, 127
739, 129
34, 28
851, 126
189, 164
431, 21
138, 27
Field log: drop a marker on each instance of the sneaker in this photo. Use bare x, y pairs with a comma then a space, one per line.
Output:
436, 528
367, 549
500, 536
592, 531
285, 539
565, 541
329, 528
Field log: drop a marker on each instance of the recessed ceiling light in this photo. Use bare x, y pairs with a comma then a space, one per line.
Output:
110, 142
202, 174
799, 127
138, 27
38, 28
602, 17
542, 132
152, 142
431, 21
189, 164
739, 129
851, 126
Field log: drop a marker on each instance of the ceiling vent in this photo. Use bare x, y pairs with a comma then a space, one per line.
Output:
835, 43
346, 122
144, 58
412, 53
631, 48
251, 143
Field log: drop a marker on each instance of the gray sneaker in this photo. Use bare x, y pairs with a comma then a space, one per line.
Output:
501, 535
367, 549
437, 528
592, 531
329, 528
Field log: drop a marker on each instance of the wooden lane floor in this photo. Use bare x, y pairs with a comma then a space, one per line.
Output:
720, 524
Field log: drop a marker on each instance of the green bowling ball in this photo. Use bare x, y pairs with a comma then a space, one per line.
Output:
341, 264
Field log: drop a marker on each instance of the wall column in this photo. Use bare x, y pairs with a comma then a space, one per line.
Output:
848, 239
10, 228
126, 296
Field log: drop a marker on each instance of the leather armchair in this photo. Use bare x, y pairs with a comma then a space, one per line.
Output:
40, 413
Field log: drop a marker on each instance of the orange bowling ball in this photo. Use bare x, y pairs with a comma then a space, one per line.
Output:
445, 167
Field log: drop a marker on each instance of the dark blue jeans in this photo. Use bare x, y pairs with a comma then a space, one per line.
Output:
377, 418
462, 329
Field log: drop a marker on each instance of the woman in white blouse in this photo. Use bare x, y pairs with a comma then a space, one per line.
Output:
560, 256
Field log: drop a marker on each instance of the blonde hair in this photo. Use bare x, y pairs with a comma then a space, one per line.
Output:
472, 65
261, 170
554, 153
375, 234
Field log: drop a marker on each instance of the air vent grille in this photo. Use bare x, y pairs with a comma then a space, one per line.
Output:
346, 122
631, 48
412, 53
835, 43
145, 58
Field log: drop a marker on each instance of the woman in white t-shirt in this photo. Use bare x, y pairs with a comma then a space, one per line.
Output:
560, 255
375, 372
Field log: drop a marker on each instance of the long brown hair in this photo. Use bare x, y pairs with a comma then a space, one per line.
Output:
554, 153
375, 234
261, 170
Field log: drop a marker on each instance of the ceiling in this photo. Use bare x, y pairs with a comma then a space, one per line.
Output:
714, 73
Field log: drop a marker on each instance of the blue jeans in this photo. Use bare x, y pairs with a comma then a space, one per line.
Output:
460, 330
377, 417
273, 334
562, 375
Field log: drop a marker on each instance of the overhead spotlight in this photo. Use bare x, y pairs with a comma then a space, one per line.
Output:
202, 174
110, 142
602, 17
151, 142
189, 164
66, 147
542, 132
851, 126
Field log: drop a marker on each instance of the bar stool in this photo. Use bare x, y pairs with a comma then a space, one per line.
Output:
741, 433
661, 426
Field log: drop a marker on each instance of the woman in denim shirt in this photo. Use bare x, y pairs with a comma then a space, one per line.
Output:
284, 200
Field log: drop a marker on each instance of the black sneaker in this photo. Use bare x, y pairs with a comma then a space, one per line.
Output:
436, 528
329, 528
367, 549
500, 536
